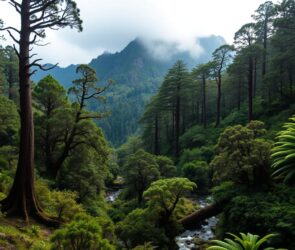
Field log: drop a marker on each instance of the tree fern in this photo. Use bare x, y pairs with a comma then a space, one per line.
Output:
283, 153
244, 242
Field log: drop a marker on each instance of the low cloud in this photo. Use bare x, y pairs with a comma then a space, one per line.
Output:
111, 25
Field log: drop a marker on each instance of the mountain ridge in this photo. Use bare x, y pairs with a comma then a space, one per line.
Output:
137, 75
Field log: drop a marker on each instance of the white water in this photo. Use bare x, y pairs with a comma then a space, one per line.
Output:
111, 196
185, 241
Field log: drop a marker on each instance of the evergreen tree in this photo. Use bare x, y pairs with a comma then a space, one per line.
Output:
36, 17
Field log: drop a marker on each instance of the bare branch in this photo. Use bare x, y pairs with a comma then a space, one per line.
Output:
16, 51
15, 5
42, 67
12, 36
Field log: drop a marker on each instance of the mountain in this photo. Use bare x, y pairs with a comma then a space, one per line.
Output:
137, 71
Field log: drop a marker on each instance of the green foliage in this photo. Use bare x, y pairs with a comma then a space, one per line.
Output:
164, 195
145, 246
84, 232
140, 170
166, 166
197, 136
283, 153
198, 172
132, 145
139, 227
242, 157
262, 212
85, 171
59, 204
245, 242
5, 181
9, 122
196, 154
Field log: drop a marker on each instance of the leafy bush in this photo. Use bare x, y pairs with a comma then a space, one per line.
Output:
196, 154
198, 172
84, 232
242, 157
146, 246
60, 204
139, 227
271, 211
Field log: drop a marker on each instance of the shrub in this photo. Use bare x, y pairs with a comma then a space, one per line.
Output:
84, 232
197, 172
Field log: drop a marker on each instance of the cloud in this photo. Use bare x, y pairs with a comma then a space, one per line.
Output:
109, 25
165, 50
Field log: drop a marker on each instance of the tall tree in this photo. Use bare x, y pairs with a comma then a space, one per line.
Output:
221, 57
245, 39
84, 90
172, 94
151, 122
264, 20
51, 121
202, 72
36, 17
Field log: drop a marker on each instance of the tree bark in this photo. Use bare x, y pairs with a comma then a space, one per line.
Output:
218, 101
177, 123
22, 200
157, 146
250, 90
204, 103
195, 219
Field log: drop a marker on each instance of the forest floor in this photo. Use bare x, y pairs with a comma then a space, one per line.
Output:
19, 235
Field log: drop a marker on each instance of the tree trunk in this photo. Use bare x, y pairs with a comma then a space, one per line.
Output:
290, 82
22, 200
177, 123
157, 148
265, 47
218, 101
250, 90
204, 103
254, 77
195, 219
239, 94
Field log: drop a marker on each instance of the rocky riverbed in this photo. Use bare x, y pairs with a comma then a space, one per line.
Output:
192, 239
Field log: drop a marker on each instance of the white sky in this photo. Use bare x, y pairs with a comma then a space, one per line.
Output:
109, 25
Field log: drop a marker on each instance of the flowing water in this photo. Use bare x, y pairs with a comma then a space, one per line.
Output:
112, 195
185, 241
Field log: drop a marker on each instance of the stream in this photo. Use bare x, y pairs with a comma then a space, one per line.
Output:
186, 240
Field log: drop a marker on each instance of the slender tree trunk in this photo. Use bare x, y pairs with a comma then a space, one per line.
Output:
198, 112
218, 101
157, 148
281, 82
239, 94
22, 201
265, 48
290, 82
254, 77
250, 90
204, 103
10, 80
177, 125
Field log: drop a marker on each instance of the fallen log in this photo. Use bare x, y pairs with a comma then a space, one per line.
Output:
195, 219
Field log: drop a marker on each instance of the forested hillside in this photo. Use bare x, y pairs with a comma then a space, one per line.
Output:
137, 75
212, 165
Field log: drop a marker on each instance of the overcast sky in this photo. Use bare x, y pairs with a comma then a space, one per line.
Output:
110, 24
